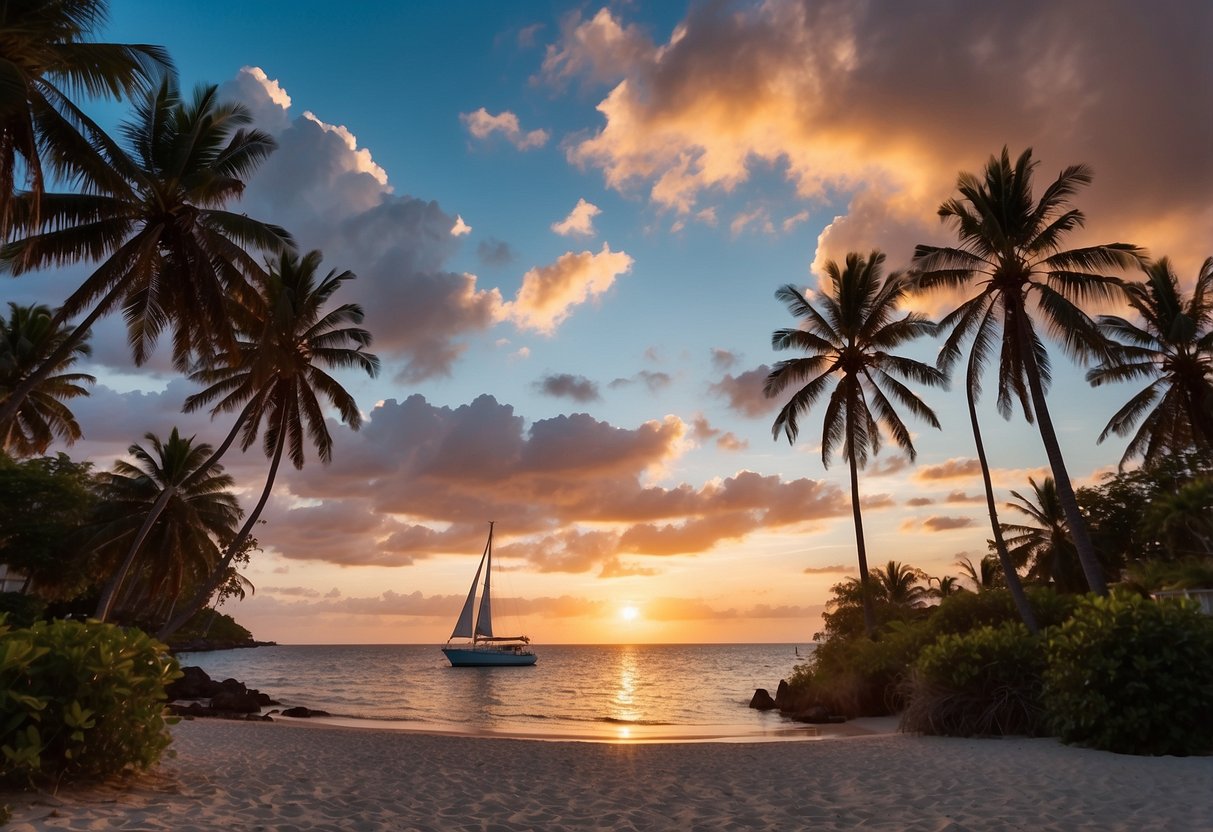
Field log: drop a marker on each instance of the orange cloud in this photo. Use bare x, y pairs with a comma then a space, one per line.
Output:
549, 293
580, 220
957, 468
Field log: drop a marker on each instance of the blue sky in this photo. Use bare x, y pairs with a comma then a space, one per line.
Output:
720, 151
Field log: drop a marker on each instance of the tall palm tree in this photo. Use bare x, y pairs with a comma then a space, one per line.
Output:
1045, 547
848, 337
45, 61
171, 254
1173, 348
278, 380
902, 584
27, 337
944, 587
1010, 249
201, 515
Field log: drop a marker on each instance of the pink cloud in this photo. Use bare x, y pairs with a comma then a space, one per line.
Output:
549, 293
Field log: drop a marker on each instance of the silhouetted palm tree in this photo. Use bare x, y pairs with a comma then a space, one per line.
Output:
45, 62
1011, 248
26, 339
278, 381
848, 341
986, 574
901, 584
201, 515
944, 587
1046, 548
1173, 348
172, 256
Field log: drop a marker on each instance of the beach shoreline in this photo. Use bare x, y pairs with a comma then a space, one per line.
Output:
274, 776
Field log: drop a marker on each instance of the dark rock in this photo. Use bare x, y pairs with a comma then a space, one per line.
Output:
815, 714
299, 712
762, 700
193, 684
783, 695
237, 701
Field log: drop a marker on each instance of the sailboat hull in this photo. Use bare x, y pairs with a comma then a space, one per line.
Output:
488, 657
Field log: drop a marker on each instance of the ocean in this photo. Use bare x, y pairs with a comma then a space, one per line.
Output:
598, 692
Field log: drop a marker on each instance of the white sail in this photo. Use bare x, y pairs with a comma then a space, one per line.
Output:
484, 621
463, 627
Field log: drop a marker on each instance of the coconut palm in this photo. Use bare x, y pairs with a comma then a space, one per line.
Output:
172, 256
1045, 546
848, 337
45, 62
1010, 249
277, 380
27, 337
986, 574
1173, 348
944, 587
901, 584
1183, 519
183, 545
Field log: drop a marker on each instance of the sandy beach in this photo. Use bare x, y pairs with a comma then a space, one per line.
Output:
263, 776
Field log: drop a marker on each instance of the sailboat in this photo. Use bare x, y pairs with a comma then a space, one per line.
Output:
485, 649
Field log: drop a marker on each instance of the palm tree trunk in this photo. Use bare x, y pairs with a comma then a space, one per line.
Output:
1008, 568
105, 605
1065, 490
219, 573
865, 586
12, 403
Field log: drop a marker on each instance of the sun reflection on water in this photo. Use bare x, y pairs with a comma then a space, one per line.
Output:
624, 702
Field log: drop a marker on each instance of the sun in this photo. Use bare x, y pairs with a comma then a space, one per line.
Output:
629, 613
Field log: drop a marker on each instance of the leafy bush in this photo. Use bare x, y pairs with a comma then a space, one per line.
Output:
22, 609
1134, 676
985, 682
80, 699
858, 676
968, 611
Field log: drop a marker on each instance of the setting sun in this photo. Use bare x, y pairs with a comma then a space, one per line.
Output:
629, 613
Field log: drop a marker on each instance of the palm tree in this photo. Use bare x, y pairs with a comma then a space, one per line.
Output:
1173, 347
848, 342
26, 339
277, 379
1183, 519
900, 584
944, 587
201, 513
1011, 248
172, 256
45, 60
1046, 547
986, 574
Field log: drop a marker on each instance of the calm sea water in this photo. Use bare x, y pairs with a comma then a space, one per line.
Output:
621, 692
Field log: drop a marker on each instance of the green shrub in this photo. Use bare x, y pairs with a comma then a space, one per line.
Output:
1134, 676
858, 676
985, 682
80, 700
21, 608
968, 611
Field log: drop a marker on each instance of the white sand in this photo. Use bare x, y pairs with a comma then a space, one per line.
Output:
261, 776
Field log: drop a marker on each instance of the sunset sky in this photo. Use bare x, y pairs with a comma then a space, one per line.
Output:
568, 223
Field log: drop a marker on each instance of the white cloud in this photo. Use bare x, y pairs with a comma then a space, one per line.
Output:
482, 124
460, 228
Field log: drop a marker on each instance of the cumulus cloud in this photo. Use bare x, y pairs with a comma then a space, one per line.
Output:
482, 124
549, 293
944, 524
833, 94
568, 386
576, 489
493, 252
336, 198
743, 392
580, 220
